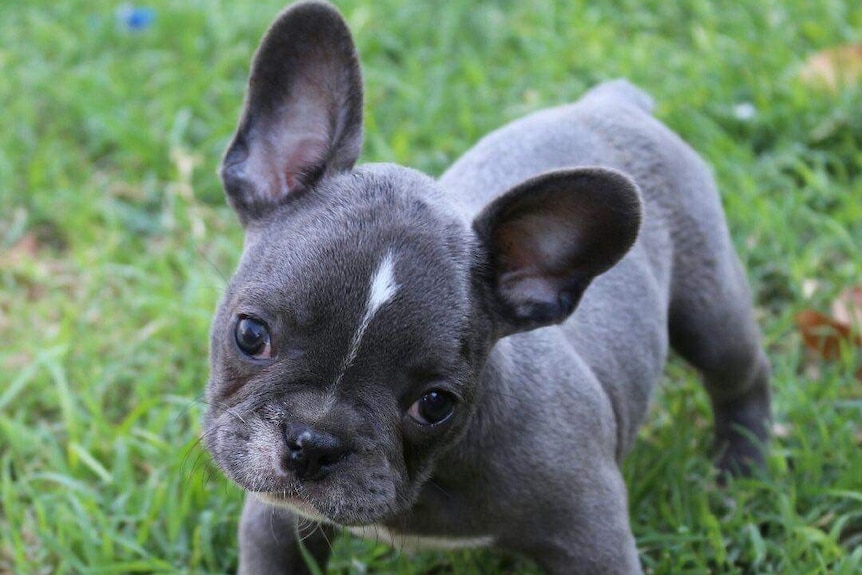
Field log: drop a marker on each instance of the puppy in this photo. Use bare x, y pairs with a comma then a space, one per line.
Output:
465, 361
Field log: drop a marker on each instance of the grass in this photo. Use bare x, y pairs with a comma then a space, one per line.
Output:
115, 243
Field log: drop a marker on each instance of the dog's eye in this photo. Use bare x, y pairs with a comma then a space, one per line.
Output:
252, 337
433, 407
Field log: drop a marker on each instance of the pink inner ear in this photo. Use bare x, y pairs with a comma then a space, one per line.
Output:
534, 243
302, 154
291, 181
523, 286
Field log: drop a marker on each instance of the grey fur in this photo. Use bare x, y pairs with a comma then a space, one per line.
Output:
540, 282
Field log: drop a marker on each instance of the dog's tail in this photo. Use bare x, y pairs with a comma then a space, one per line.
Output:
625, 91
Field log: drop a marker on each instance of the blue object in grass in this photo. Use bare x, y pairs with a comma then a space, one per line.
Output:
135, 18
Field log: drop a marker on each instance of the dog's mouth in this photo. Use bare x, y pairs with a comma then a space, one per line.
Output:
343, 504
293, 503
367, 486
361, 491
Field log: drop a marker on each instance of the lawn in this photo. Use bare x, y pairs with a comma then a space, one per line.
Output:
116, 242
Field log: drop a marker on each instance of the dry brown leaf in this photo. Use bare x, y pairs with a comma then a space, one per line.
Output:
25, 248
825, 335
847, 307
16, 361
31, 260
833, 68
829, 337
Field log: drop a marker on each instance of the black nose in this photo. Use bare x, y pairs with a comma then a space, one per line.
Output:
311, 453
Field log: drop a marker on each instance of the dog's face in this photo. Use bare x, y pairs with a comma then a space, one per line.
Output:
347, 321
346, 355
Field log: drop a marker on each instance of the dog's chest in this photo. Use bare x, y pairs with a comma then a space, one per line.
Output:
419, 542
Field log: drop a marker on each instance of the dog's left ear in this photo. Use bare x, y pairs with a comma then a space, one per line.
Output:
303, 111
546, 239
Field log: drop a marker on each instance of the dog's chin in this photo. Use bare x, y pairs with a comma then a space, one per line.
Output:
337, 514
295, 505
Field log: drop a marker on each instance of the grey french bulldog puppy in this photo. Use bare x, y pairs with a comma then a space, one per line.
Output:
464, 361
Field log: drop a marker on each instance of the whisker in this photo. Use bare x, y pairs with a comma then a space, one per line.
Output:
199, 250
272, 513
440, 488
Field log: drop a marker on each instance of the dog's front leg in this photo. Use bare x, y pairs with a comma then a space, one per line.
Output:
270, 540
584, 561
588, 532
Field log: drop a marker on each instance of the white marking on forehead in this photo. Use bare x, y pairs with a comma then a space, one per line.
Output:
382, 289
383, 286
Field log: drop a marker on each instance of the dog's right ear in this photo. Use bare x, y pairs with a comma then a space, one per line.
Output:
547, 238
303, 111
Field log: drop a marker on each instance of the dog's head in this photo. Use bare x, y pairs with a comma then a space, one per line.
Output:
347, 351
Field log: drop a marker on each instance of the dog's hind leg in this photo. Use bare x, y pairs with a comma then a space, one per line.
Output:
712, 326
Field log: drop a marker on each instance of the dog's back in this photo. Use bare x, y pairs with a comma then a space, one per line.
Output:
681, 282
